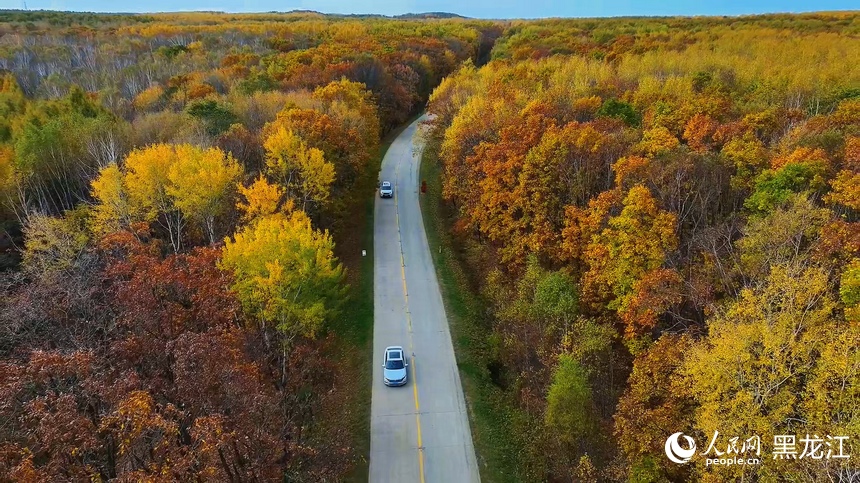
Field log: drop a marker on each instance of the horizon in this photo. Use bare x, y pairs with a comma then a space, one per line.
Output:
480, 10
394, 16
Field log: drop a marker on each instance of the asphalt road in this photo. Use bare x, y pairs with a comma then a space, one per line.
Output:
418, 432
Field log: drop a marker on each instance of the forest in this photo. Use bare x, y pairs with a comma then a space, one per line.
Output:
661, 219
180, 201
659, 215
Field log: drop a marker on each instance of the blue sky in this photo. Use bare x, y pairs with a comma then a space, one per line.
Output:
469, 8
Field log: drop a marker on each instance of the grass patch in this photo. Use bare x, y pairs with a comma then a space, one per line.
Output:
494, 422
354, 347
355, 331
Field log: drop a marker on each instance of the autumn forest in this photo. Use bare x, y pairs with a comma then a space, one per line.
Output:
654, 221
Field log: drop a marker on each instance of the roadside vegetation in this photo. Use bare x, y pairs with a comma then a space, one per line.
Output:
490, 416
185, 199
659, 223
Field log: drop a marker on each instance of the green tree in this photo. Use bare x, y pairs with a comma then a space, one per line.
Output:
569, 413
620, 110
215, 117
549, 298
773, 187
57, 152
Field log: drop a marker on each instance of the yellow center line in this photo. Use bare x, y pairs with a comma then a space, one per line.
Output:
409, 322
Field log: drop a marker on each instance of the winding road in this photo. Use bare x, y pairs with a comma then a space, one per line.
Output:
418, 432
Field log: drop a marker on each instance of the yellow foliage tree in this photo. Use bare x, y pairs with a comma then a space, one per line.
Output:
113, 210
285, 273
201, 182
657, 141
167, 184
146, 179
749, 156
261, 199
304, 172
845, 190
344, 97
149, 98
54, 243
749, 375
7, 168
834, 388
849, 291
634, 243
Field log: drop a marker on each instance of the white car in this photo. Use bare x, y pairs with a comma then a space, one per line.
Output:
386, 190
394, 366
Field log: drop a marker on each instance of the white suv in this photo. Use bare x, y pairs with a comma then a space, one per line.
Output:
385, 190
394, 366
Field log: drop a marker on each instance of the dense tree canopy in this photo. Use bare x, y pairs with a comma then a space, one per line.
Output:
173, 186
661, 213
694, 183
